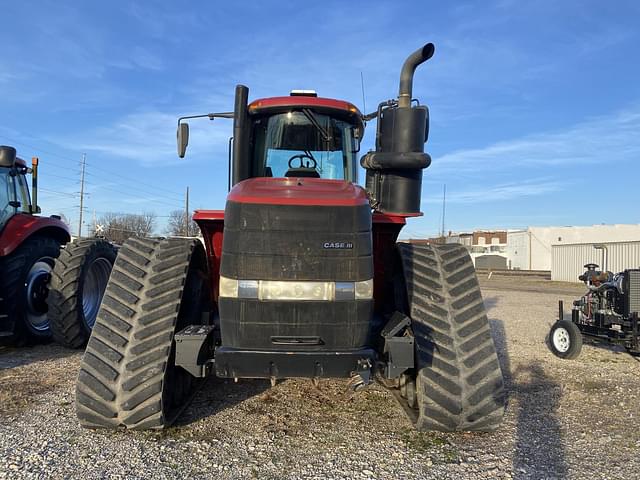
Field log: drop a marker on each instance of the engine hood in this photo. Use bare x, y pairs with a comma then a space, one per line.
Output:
298, 191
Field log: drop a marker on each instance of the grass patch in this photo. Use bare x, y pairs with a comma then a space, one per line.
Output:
592, 385
439, 449
18, 391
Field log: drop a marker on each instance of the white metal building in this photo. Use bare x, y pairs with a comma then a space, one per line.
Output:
531, 249
568, 260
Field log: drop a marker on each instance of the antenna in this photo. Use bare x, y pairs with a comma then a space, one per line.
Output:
364, 103
444, 202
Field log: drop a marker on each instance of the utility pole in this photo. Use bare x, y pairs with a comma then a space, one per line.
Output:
444, 201
84, 160
186, 214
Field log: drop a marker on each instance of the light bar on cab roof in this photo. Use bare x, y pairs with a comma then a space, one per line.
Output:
303, 93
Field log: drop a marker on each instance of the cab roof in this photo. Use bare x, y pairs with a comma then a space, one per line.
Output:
339, 108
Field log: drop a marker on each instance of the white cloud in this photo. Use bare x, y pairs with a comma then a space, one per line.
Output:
149, 138
604, 139
501, 192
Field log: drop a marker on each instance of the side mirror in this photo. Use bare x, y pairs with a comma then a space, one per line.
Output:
183, 138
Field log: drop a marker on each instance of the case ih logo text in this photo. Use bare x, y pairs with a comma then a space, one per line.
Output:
337, 245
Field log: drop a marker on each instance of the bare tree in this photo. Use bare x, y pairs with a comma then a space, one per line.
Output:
177, 225
117, 227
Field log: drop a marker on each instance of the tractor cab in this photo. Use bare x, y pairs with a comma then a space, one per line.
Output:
304, 136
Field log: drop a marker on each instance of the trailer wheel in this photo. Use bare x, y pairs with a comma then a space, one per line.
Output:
458, 380
565, 340
24, 279
128, 375
78, 282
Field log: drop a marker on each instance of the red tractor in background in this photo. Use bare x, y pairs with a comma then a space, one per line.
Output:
300, 276
49, 287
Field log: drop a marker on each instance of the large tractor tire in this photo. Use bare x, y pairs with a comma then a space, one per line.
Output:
457, 384
128, 375
78, 283
24, 279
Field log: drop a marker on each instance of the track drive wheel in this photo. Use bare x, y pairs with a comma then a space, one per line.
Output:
128, 375
458, 380
565, 340
24, 278
78, 282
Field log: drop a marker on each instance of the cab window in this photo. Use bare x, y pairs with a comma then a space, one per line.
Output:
7, 194
22, 192
304, 143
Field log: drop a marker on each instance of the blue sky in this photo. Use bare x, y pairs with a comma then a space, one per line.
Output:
535, 106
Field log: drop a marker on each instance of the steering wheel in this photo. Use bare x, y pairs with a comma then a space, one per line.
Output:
305, 160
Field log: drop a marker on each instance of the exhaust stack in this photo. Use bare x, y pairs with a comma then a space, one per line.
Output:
408, 69
394, 169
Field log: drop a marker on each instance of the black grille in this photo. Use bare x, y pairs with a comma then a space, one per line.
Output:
293, 242
632, 291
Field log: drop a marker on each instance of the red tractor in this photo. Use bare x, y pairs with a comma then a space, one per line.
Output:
45, 291
300, 276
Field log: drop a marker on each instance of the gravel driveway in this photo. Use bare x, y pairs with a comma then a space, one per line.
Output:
565, 419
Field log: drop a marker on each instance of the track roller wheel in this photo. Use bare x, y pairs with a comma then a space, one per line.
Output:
403, 385
128, 375
411, 393
458, 380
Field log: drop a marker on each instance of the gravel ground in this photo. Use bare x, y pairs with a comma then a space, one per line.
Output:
565, 419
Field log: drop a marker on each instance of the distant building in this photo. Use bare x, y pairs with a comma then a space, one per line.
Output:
487, 248
531, 249
561, 250
461, 238
428, 241
568, 260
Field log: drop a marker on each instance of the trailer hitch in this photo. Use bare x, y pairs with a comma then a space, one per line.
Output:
361, 377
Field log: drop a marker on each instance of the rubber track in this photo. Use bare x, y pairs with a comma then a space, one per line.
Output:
122, 373
64, 300
459, 380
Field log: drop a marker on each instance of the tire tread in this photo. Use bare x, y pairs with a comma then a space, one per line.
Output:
459, 379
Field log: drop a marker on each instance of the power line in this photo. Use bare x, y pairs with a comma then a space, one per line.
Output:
105, 212
137, 186
58, 192
133, 181
140, 197
53, 175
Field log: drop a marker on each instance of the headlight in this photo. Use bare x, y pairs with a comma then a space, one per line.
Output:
364, 290
274, 290
292, 290
228, 287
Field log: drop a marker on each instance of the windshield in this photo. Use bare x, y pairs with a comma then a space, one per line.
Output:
304, 143
7, 194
